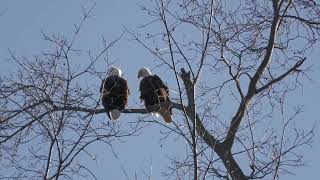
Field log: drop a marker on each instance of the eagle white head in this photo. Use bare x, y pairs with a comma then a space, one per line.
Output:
114, 71
144, 72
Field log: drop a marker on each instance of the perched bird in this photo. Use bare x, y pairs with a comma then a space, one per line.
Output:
155, 93
115, 93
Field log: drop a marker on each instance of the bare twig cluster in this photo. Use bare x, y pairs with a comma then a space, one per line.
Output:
48, 115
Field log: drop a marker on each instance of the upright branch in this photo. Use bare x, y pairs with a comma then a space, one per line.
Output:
252, 89
225, 154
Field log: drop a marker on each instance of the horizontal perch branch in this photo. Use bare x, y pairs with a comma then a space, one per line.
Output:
131, 110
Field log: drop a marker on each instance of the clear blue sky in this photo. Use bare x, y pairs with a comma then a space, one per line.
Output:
21, 24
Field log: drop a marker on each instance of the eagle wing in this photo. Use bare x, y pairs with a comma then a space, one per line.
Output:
115, 93
101, 87
154, 92
160, 84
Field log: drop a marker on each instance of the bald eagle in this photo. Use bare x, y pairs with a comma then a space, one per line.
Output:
115, 93
155, 92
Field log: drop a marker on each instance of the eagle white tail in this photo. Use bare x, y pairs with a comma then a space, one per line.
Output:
114, 114
165, 114
155, 114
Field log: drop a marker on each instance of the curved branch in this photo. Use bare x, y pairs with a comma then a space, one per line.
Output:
252, 89
275, 80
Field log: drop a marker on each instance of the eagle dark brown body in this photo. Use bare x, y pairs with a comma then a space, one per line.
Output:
115, 93
155, 93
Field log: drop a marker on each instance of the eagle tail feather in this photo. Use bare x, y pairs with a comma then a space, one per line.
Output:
155, 114
114, 114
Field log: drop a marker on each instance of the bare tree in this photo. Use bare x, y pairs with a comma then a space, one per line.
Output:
245, 58
48, 115
241, 59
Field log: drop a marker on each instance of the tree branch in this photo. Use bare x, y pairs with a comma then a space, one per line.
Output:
225, 154
236, 120
275, 80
